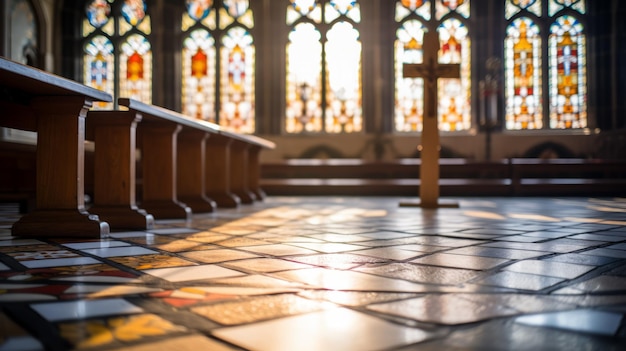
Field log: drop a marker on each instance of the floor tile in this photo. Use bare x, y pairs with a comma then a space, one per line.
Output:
278, 250
603, 283
549, 268
144, 262
337, 261
182, 343
103, 244
329, 247
429, 309
181, 274
391, 253
422, 274
522, 281
219, 255
83, 309
460, 261
580, 259
119, 251
346, 280
265, 265
118, 330
258, 309
582, 321
335, 329
621, 254
59, 262
510, 254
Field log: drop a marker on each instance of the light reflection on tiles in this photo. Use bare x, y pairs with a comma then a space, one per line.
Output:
320, 273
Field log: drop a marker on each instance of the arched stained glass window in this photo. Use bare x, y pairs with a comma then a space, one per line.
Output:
523, 75
567, 74
117, 54
304, 72
237, 81
409, 91
448, 19
323, 67
223, 27
454, 94
529, 70
198, 57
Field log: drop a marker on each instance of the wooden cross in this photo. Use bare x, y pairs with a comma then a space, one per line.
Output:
430, 71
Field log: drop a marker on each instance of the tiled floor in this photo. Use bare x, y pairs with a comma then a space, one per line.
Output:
316, 273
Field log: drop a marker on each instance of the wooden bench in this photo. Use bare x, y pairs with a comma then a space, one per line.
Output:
187, 165
568, 176
55, 108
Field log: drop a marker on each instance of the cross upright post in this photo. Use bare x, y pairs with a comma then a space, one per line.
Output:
430, 71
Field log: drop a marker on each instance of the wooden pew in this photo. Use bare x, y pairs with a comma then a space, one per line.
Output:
209, 166
55, 108
159, 134
114, 169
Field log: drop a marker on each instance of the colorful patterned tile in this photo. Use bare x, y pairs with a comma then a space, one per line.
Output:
258, 281
26, 248
219, 255
334, 329
83, 309
240, 242
180, 274
207, 237
41, 255
259, 308
144, 262
117, 330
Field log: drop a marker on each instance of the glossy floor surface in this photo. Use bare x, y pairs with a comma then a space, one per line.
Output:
329, 273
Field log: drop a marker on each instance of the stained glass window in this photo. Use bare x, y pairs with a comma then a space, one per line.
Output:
523, 75
237, 81
199, 76
454, 108
409, 91
567, 74
218, 63
304, 73
565, 102
323, 80
117, 54
454, 94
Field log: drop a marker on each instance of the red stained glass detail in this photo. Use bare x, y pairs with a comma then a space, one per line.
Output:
199, 64
134, 70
